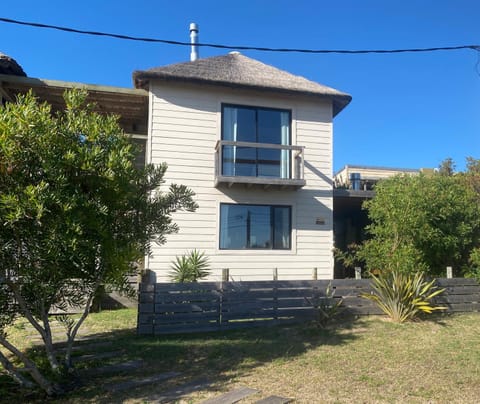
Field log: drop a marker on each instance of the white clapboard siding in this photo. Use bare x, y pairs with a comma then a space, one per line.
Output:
185, 126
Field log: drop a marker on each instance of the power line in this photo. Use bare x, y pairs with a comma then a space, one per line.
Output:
240, 47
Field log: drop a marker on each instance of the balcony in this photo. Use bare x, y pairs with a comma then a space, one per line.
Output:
259, 164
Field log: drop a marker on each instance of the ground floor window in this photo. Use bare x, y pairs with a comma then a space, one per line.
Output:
255, 227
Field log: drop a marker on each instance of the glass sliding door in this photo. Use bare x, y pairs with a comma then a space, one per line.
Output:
256, 125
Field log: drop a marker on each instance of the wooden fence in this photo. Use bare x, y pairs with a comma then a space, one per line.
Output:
167, 308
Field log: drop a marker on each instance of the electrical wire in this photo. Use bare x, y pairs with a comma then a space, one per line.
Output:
239, 47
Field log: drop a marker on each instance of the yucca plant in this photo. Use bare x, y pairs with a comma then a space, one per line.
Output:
327, 307
403, 296
190, 267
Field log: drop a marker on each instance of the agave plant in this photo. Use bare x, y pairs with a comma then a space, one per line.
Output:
327, 307
403, 296
190, 267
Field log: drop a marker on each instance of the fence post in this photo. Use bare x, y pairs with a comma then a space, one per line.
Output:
149, 276
315, 274
358, 273
225, 274
275, 295
449, 272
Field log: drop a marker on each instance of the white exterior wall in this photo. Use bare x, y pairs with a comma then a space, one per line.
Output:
185, 124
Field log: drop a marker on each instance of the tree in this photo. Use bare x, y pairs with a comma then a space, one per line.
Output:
76, 213
422, 223
447, 167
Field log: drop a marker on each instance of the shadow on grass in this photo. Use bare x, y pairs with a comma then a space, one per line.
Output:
216, 357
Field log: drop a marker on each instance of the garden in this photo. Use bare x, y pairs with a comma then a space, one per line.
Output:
365, 359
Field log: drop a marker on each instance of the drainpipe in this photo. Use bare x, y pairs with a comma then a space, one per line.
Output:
194, 41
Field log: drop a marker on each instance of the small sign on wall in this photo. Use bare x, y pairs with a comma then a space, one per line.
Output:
320, 221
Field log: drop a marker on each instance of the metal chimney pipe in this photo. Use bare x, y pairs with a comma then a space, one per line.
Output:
194, 41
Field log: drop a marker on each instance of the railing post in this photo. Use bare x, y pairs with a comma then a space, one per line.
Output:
275, 274
449, 272
315, 274
358, 273
220, 160
302, 165
225, 274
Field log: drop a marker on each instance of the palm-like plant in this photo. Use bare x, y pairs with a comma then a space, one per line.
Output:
403, 296
190, 267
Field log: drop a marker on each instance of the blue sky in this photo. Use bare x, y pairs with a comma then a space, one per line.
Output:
408, 110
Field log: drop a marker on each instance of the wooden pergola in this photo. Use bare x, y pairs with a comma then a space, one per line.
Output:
131, 105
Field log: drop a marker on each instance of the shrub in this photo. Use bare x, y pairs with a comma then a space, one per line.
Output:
474, 268
403, 296
190, 267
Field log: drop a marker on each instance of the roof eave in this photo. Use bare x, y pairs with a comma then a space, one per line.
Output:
142, 78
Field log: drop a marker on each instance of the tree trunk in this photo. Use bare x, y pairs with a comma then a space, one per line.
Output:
45, 333
12, 372
50, 388
72, 333
49, 349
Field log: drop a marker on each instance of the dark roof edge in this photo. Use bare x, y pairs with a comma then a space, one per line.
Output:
37, 82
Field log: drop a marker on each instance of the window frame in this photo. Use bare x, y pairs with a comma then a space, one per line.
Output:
256, 109
272, 228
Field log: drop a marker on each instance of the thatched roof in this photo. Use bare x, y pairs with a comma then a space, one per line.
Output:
10, 66
238, 71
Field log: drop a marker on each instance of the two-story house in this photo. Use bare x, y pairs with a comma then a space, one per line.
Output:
255, 145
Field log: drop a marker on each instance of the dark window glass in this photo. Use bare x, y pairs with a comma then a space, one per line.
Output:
141, 145
255, 227
255, 125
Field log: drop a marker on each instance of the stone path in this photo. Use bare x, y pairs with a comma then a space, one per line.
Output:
233, 396
172, 395
57, 329
115, 368
96, 356
177, 393
134, 383
274, 400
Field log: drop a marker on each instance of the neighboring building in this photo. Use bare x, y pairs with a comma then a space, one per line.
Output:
255, 145
354, 184
365, 177
131, 105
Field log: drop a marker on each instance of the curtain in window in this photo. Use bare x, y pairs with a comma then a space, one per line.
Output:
285, 140
230, 132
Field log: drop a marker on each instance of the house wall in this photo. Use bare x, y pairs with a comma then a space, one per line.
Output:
185, 124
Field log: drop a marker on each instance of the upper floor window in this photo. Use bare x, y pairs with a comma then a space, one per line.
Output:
256, 125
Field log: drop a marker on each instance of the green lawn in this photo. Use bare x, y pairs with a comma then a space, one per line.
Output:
364, 360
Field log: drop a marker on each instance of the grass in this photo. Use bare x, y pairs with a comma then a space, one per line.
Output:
364, 360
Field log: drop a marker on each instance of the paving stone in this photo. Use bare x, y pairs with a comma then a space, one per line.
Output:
274, 400
85, 346
118, 367
177, 393
232, 396
100, 355
134, 383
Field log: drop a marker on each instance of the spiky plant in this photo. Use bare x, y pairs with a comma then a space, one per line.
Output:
403, 296
190, 267
327, 307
